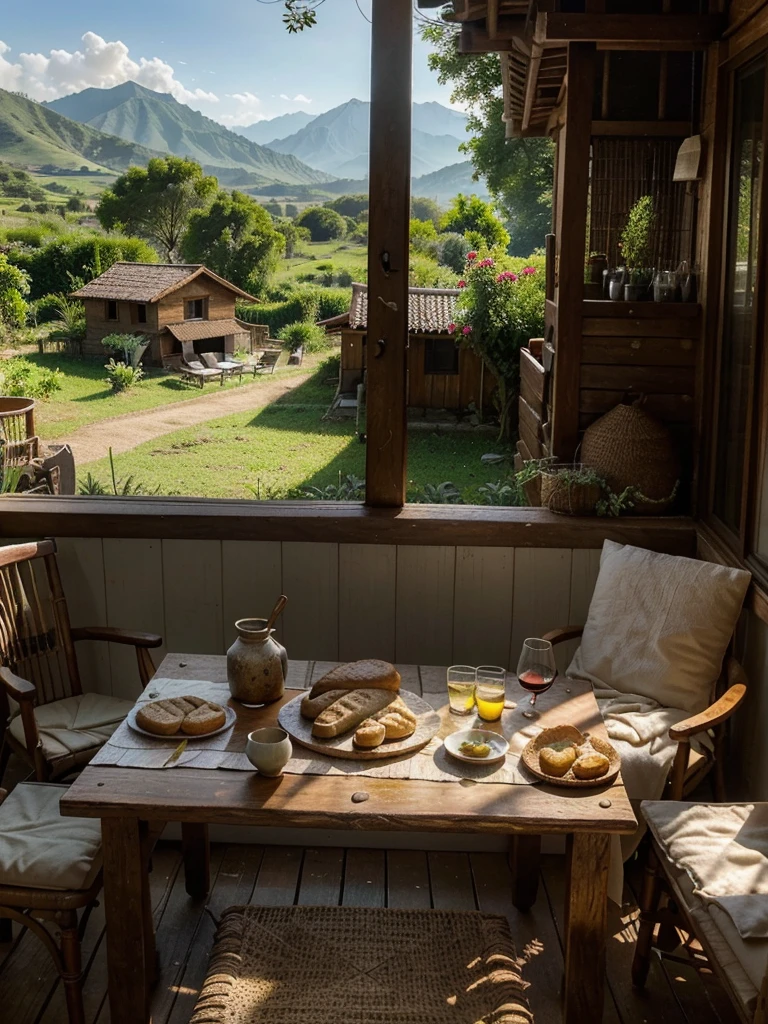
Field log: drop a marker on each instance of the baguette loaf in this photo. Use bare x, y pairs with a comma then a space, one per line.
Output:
312, 706
349, 711
359, 675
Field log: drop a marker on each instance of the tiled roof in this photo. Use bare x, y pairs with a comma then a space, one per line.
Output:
430, 310
196, 330
147, 282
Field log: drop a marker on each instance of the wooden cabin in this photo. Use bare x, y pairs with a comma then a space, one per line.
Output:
441, 374
167, 303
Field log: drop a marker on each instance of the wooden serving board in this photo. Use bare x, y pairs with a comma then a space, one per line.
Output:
300, 730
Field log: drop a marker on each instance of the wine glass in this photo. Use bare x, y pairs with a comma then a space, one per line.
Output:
536, 670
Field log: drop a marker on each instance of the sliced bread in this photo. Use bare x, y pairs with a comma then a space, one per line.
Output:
349, 711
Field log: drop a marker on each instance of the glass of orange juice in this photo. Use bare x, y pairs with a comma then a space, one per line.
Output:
490, 692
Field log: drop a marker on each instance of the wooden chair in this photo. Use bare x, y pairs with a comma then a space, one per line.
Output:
31, 895
668, 900
229, 367
38, 664
688, 770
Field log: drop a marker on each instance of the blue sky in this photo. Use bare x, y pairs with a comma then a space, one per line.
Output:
234, 61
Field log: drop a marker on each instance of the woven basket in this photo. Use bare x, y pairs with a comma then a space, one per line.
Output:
569, 498
630, 448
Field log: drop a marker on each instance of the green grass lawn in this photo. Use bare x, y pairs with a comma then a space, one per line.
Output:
342, 254
85, 398
285, 446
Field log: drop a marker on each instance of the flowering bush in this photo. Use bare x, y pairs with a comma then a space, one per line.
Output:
500, 308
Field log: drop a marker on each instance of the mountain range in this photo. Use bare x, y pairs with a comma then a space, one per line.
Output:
337, 141
266, 131
157, 121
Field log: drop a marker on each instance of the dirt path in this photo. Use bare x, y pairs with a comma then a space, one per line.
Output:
121, 433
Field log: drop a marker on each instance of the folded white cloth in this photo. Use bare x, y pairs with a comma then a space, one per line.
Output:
723, 848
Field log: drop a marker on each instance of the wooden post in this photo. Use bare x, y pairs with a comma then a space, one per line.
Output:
573, 162
388, 224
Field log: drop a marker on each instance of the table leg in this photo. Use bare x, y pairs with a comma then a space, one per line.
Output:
197, 858
526, 863
586, 924
130, 938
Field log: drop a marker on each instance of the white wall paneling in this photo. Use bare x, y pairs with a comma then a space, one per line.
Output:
81, 565
424, 605
252, 580
542, 594
192, 582
311, 583
482, 609
367, 586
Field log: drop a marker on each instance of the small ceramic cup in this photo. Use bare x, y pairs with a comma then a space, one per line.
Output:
269, 750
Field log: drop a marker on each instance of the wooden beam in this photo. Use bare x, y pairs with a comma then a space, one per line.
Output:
492, 18
571, 239
476, 40
668, 129
388, 241
623, 31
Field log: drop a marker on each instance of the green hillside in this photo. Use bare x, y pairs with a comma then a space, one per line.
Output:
159, 122
32, 135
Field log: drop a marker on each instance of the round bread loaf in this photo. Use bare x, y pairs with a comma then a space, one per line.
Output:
557, 759
397, 726
591, 766
190, 715
369, 734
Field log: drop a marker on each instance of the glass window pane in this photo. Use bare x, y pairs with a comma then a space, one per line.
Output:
741, 272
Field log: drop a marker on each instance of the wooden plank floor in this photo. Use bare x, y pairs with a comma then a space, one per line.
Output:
274, 875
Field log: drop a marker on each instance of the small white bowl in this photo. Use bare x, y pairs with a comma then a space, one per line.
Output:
269, 750
498, 745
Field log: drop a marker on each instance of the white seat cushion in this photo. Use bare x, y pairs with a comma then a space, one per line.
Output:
39, 849
659, 625
75, 723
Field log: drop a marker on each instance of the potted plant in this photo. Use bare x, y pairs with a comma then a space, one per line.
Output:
636, 249
572, 490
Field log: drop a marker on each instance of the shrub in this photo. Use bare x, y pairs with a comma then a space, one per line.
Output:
33, 236
307, 278
452, 251
323, 224
344, 279
53, 266
349, 488
45, 310
291, 210
332, 302
127, 344
425, 273
304, 335
304, 304
349, 205
121, 377
22, 379
70, 321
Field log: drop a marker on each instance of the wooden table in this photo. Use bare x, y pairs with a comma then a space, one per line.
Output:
134, 803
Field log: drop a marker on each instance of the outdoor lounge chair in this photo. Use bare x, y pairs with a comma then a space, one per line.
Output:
50, 868
267, 362
229, 367
192, 369
45, 718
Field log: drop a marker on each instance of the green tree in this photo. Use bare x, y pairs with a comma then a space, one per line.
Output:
423, 236
274, 208
423, 208
517, 172
291, 234
324, 224
75, 204
470, 213
157, 201
349, 206
236, 238
14, 287
291, 210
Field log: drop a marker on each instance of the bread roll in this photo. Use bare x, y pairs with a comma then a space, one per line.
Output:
359, 675
189, 714
370, 734
312, 706
557, 759
591, 766
161, 717
207, 718
349, 711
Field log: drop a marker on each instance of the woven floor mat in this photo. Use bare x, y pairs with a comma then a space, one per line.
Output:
323, 965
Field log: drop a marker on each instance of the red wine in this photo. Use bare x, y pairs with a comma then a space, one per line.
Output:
537, 679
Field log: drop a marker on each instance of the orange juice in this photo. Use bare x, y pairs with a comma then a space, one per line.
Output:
489, 698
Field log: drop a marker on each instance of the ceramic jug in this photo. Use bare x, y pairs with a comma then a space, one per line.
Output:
257, 665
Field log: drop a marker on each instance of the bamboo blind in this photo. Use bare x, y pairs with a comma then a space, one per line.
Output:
625, 169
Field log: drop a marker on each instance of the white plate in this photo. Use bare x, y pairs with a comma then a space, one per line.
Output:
228, 711
498, 744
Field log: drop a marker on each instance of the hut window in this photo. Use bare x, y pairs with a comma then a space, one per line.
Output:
441, 356
195, 309
111, 309
141, 313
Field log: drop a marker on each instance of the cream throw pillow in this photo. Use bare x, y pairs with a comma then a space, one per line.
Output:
659, 625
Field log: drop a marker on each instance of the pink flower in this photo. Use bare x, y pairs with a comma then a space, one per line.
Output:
506, 275
471, 256
466, 330
529, 270
452, 328
485, 263
462, 283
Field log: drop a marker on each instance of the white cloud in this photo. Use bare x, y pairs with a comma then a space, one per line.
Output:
98, 64
247, 111
301, 98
